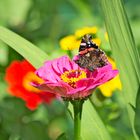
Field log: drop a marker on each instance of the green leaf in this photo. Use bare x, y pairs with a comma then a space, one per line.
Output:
124, 51
29, 51
4, 54
34, 130
21, 123
137, 115
92, 126
62, 137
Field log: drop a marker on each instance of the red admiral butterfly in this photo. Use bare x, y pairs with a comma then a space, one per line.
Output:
90, 56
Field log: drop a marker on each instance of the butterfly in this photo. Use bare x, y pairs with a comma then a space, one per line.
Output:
90, 55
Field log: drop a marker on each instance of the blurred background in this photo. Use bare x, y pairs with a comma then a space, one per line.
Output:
45, 23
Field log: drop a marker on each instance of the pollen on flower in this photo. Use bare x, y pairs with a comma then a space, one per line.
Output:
72, 76
31, 77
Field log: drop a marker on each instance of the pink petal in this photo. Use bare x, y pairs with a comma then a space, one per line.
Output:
76, 57
85, 83
76, 90
59, 91
46, 72
64, 64
98, 72
107, 76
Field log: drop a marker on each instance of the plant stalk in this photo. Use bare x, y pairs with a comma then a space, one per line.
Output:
77, 107
69, 52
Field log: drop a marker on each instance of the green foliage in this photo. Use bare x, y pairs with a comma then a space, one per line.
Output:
62, 137
43, 23
24, 47
17, 123
124, 51
92, 124
113, 113
100, 132
137, 114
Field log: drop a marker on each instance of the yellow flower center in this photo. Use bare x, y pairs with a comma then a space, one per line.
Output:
72, 76
31, 77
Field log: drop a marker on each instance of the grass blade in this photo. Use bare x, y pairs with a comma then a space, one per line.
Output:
124, 51
29, 51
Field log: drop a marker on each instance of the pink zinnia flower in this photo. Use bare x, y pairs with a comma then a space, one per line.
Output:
65, 78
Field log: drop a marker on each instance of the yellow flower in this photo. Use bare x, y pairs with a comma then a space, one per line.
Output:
69, 43
86, 30
108, 88
97, 41
72, 42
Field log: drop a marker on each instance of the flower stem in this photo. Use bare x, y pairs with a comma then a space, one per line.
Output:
77, 107
69, 53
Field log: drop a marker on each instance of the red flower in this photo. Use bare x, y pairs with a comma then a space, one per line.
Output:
19, 75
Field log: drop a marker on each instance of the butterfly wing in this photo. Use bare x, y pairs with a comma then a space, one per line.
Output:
90, 56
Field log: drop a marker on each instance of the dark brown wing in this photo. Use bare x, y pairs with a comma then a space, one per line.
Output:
92, 60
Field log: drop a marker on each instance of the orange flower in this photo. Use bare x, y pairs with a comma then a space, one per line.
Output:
19, 75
